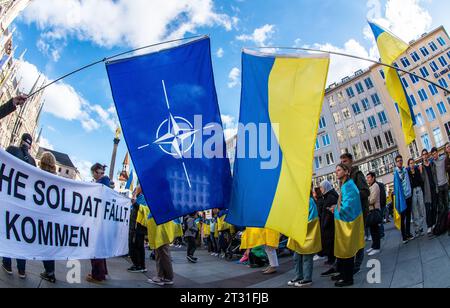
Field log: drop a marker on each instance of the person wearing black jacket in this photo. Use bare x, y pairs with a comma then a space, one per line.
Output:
136, 238
22, 153
418, 204
11, 105
330, 199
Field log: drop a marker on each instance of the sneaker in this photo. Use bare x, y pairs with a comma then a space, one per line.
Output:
405, 242
144, 270
8, 270
374, 252
318, 258
303, 284
369, 250
293, 282
411, 238
91, 279
336, 278
270, 271
134, 269
22, 275
369, 239
168, 282
343, 284
430, 231
49, 278
191, 259
157, 281
330, 273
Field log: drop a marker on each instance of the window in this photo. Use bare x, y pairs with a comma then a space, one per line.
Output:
372, 122
447, 129
426, 142
330, 159
438, 137
318, 162
378, 143
405, 83
423, 95
361, 127
424, 72
357, 152
383, 75
412, 99
332, 101
434, 66
356, 109
414, 78
424, 51
433, 46
326, 140
337, 117
340, 97
359, 88
405, 62
441, 41
322, 123
433, 89
317, 145
415, 56
352, 131
350, 92
389, 139
346, 113
366, 104
67, 172
419, 120
60, 170
396, 108
369, 83
430, 114
443, 62
341, 136
367, 147
382, 117
376, 100
443, 83
442, 109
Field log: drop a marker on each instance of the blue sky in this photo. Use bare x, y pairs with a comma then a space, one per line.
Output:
60, 36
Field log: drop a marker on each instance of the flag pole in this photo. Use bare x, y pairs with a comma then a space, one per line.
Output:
446, 91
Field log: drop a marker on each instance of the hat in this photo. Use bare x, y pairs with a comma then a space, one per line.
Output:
28, 139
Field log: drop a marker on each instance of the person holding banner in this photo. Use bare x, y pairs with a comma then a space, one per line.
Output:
99, 268
12, 104
48, 164
22, 153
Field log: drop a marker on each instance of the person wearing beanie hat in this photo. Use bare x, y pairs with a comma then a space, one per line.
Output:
23, 153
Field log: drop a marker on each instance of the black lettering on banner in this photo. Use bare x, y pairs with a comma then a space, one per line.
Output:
73, 236
45, 234
29, 240
38, 186
84, 237
7, 179
97, 202
61, 236
88, 207
107, 204
11, 226
75, 209
52, 205
63, 203
113, 210
18, 184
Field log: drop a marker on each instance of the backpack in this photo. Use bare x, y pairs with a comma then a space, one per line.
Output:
383, 197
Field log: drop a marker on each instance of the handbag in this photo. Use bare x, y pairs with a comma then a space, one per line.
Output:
374, 218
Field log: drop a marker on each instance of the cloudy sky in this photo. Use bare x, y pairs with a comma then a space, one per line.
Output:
79, 116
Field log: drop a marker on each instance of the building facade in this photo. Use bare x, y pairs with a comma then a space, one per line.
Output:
64, 165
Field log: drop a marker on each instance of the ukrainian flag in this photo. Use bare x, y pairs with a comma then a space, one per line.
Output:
313, 243
391, 48
130, 183
400, 205
349, 223
286, 95
255, 237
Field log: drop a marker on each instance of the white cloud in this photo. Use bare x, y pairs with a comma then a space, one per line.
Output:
260, 36
84, 167
110, 23
45, 143
220, 52
234, 78
229, 125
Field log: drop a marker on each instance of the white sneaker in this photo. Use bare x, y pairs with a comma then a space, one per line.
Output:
369, 250
430, 230
374, 252
318, 258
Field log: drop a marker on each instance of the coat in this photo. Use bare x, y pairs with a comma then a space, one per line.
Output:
22, 155
7, 109
364, 191
428, 194
327, 222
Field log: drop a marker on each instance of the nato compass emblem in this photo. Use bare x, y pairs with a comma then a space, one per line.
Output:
175, 136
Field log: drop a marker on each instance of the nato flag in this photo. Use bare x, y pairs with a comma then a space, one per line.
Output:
168, 109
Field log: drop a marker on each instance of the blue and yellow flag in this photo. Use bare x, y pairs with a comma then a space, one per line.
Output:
255, 237
400, 205
391, 48
282, 99
349, 223
130, 183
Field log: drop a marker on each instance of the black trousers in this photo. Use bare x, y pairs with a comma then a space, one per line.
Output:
442, 200
406, 219
191, 246
376, 237
137, 249
346, 268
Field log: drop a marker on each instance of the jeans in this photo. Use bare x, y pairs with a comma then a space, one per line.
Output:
418, 208
304, 265
191, 246
442, 200
214, 246
21, 264
406, 219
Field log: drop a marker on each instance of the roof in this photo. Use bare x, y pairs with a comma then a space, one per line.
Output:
61, 158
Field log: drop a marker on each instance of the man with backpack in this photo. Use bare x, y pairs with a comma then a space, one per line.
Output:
190, 234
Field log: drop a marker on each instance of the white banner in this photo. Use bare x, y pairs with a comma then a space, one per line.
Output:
46, 217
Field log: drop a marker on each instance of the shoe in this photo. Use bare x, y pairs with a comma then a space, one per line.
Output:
8, 270
430, 231
303, 284
22, 275
374, 252
91, 279
369, 239
330, 273
293, 282
405, 242
343, 284
49, 278
157, 281
265, 269
168, 282
318, 258
336, 278
134, 269
143, 270
190, 259
411, 238
270, 271
369, 250
244, 259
